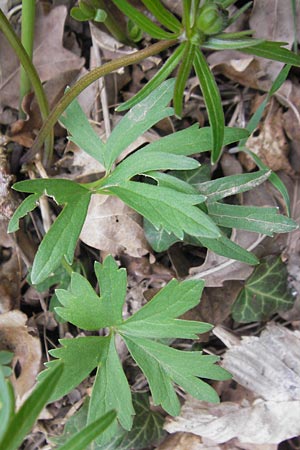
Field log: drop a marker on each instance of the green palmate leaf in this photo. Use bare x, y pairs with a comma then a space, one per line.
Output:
157, 319
141, 163
79, 356
265, 293
215, 43
142, 21
193, 140
82, 133
231, 185
182, 76
22, 422
7, 401
258, 219
163, 15
274, 51
213, 103
81, 298
179, 213
61, 239
138, 120
83, 438
158, 78
163, 365
111, 390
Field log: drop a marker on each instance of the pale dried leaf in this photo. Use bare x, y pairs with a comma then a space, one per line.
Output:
272, 20
50, 57
262, 422
268, 365
183, 441
217, 269
15, 337
113, 227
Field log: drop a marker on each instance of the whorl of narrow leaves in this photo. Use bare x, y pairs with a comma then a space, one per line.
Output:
156, 320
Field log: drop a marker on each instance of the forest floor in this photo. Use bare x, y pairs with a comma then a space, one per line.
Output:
260, 407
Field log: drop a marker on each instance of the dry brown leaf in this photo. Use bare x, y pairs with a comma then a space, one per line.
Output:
113, 227
217, 269
15, 337
184, 441
272, 20
50, 57
269, 143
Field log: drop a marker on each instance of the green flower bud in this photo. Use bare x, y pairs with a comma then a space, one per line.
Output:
212, 19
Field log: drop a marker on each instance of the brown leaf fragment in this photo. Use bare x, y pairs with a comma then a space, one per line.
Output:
113, 227
217, 269
269, 142
15, 337
49, 57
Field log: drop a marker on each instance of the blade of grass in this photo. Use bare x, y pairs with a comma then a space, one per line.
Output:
83, 438
23, 421
213, 103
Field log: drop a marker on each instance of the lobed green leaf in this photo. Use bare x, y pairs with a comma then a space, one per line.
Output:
80, 299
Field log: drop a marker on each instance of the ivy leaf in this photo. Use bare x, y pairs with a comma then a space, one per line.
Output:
61, 239
265, 293
81, 298
147, 427
179, 213
263, 220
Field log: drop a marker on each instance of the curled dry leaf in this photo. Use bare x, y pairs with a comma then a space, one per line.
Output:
49, 57
217, 269
269, 143
15, 337
269, 366
113, 227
